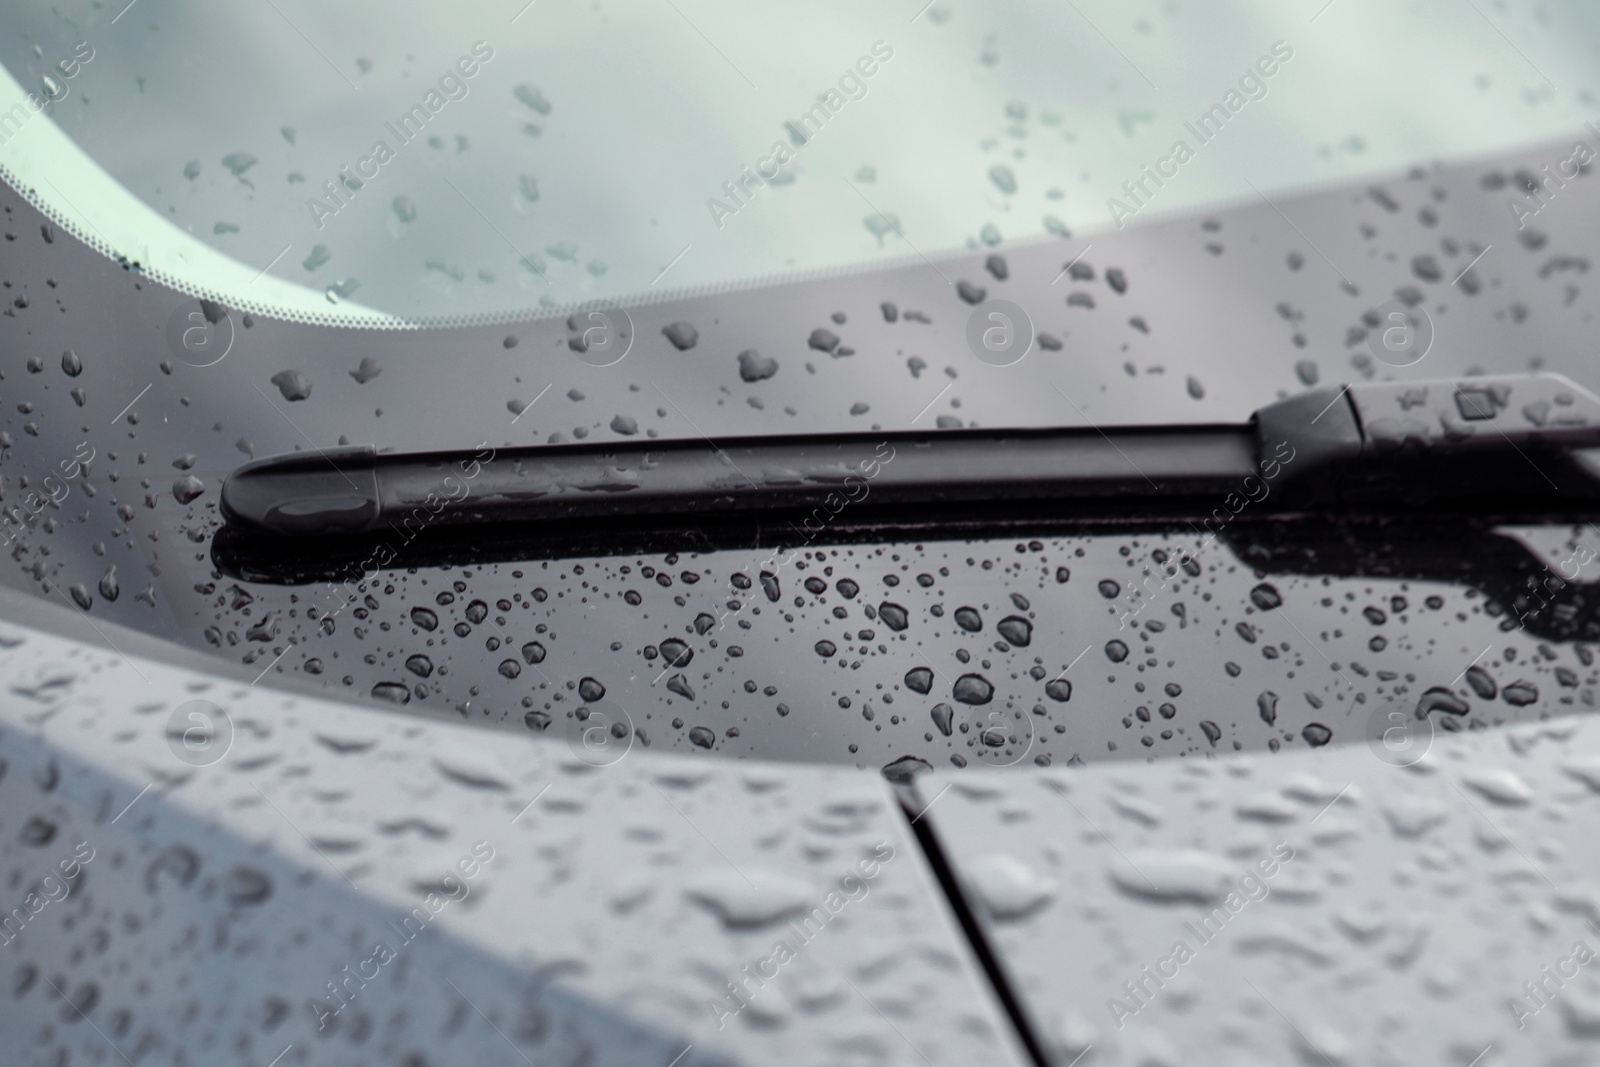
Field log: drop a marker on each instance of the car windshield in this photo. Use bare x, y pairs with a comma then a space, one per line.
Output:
408, 162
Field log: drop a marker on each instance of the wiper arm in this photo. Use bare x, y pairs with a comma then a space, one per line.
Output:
1513, 440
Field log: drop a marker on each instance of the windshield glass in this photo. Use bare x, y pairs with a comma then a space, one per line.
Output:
412, 162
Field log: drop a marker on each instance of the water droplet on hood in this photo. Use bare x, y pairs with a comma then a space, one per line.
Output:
1500, 786
1008, 888
1184, 876
246, 886
749, 898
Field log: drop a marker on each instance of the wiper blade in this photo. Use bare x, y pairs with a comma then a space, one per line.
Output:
1507, 440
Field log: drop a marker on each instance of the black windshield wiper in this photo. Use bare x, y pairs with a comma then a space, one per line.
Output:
1506, 441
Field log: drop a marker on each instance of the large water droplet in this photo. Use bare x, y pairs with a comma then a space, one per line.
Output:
1520, 693
1185, 876
1266, 596
682, 335
1440, 698
749, 898
292, 384
754, 367
905, 769
187, 489
1016, 629
973, 689
1481, 682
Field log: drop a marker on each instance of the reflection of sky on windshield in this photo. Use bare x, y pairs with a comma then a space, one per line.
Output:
581, 160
